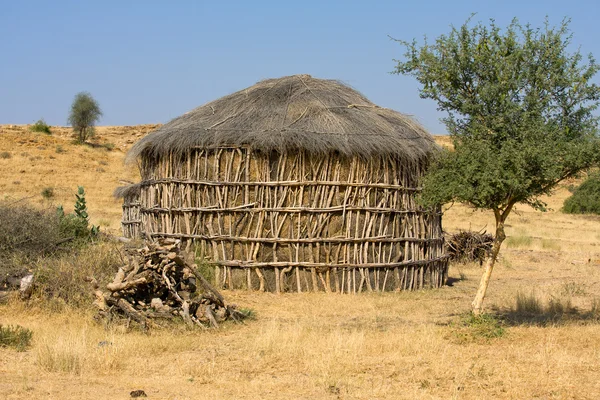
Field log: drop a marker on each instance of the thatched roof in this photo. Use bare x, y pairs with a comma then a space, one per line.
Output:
292, 113
132, 190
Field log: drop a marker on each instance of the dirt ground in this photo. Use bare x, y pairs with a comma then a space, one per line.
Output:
313, 346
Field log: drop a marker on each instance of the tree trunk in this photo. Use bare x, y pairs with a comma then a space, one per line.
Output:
490, 262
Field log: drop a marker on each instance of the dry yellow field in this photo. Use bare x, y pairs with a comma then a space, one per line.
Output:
312, 346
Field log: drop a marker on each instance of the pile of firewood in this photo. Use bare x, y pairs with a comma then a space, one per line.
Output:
158, 283
469, 246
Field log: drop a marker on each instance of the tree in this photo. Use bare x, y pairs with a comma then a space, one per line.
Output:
85, 112
520, 110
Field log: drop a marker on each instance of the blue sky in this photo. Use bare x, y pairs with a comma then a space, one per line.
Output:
150, 61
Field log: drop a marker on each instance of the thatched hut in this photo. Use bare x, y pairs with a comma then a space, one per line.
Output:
295, 184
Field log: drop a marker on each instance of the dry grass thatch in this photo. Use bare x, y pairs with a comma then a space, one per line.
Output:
127, 191
293, 113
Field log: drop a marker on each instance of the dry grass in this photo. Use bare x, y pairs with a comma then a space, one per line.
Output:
331, 346
40, 161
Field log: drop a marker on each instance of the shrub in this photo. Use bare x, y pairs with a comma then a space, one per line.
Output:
5, 155
29, 240
60, 149
16, 337
67, 279
109, 146
48, 193
76, 224
26, 233
40, 126
585, 198
528, 305
477, 328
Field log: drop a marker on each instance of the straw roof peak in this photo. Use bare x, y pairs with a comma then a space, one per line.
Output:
293, 113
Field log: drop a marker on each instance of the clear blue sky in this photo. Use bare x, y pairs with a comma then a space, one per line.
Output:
150, 61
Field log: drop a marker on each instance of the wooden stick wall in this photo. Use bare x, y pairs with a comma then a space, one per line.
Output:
295, 222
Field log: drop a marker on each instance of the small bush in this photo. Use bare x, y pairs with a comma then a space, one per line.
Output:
48, 193
26, 234
76, 224
477, 328
17, 337
585, 198
40, 126
109, 146
528, 305
5, 155
60, 149
66, 279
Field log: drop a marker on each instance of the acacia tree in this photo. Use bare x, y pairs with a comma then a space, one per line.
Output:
85, 112
519, 109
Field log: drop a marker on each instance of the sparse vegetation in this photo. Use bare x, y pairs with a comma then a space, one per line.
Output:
585, 198
60, 149
519, 240
48, 193
26, 234
573, 289
16, 337
528, 304
41, 126
5, 155
306, 345
66, 279
477, 328
529, 309
109, 146
85, 112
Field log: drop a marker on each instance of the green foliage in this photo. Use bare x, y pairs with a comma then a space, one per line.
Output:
85, 112
585, 198
48, 192
109, 146
477, 329
40, 126
519, 109
16, 337
76, 224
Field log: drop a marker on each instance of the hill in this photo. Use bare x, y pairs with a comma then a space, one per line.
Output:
31, 163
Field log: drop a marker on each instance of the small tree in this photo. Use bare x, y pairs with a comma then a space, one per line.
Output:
519, 110
85, 112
